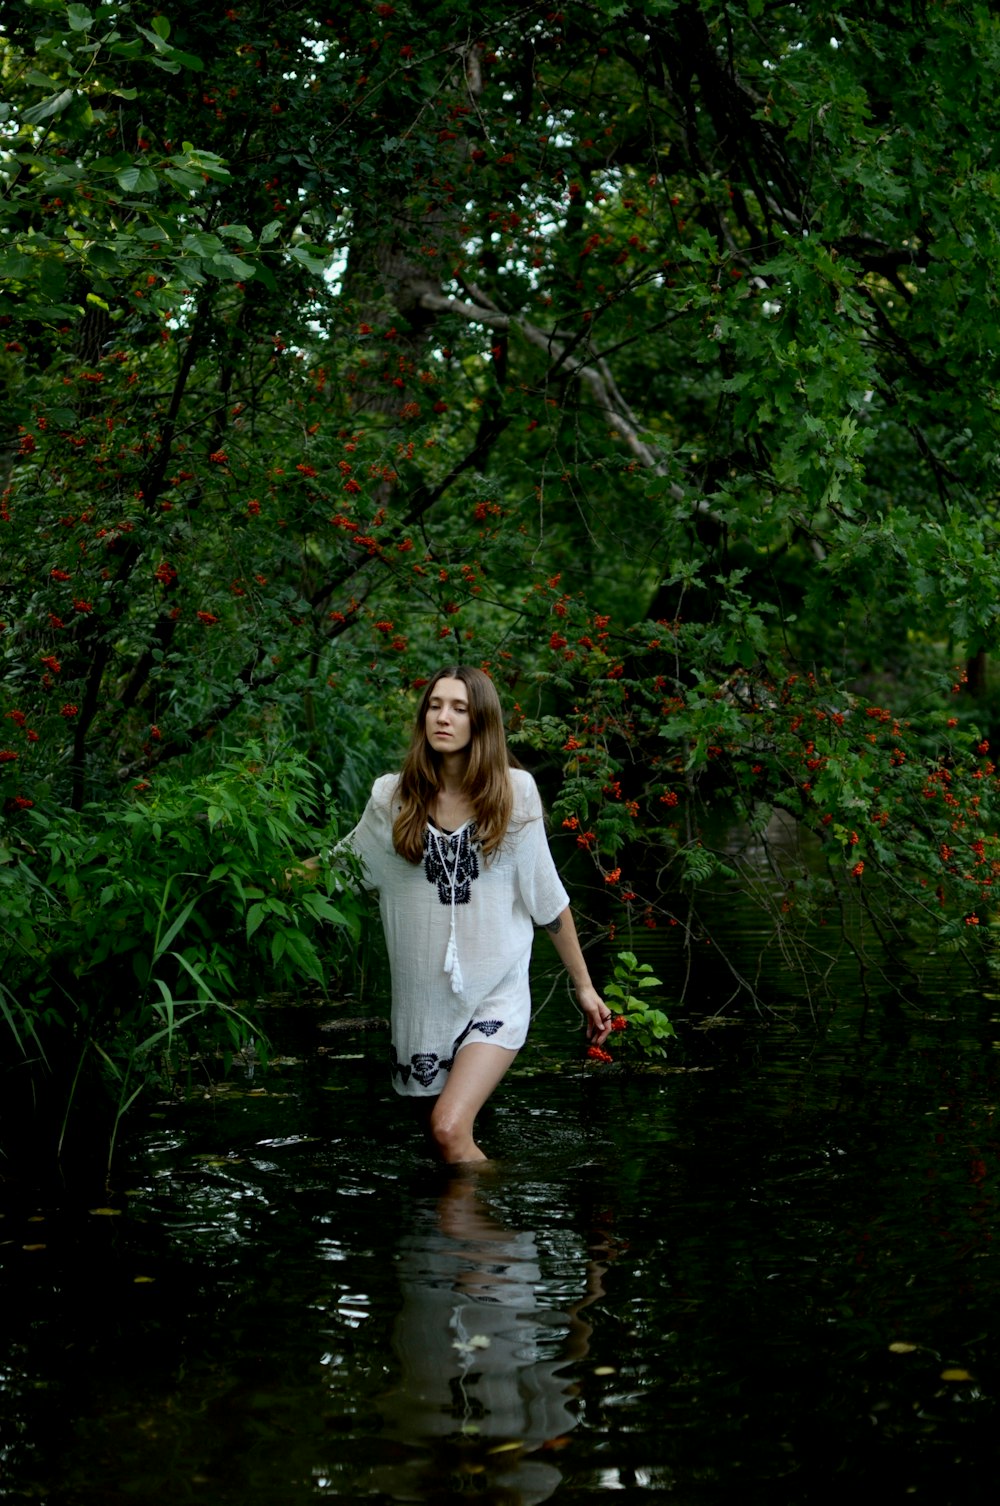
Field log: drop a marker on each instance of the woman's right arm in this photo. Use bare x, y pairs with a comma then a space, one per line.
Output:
370, 841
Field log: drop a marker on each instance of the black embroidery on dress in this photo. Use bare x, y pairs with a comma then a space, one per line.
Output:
399, 1069
425, 1065
446, 1066
452, 859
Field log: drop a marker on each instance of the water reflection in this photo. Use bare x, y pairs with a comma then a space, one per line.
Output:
804, 1306
483, 1403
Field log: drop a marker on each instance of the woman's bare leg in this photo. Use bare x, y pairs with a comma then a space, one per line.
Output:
477, 1070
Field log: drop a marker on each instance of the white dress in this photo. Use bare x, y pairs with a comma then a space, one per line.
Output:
458, 928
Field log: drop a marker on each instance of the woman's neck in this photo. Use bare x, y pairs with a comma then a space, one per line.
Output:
451, 774
451, 806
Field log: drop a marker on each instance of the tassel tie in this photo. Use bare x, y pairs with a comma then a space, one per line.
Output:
451, 863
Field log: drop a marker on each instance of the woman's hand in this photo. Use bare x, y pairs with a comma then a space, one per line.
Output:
596, 1014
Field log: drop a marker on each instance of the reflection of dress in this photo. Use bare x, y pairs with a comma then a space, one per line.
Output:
480, 1358
459, 929
472, 1346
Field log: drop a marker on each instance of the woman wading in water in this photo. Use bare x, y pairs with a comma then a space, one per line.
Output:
455, 845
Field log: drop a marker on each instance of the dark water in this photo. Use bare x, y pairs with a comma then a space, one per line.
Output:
681, 1286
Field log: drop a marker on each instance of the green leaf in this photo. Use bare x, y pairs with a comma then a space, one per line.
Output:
207, 162
300, 951
310, 262
158, 41
189, 270
15, 264
203, 244
264, 275
323, 910
235, 266
181, 177
162, 943
79, 18
135, 178
46, 108
161, 26
188, 60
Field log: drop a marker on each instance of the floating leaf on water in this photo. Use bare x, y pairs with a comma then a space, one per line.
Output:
605, 1370
37, 1218
900, 1348
505, 1448
34, 1247
143, 1280
105, 1212
955, 1374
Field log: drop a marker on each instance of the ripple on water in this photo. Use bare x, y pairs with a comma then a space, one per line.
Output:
686, 1283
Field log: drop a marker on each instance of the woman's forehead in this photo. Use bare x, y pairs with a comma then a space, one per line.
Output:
450, 690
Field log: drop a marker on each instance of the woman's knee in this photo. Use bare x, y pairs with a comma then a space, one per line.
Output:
449, 1131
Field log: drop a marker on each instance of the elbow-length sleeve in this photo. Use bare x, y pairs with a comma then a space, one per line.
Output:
538, 879
371, 839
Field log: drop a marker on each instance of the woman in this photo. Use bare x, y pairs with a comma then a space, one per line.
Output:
456, 847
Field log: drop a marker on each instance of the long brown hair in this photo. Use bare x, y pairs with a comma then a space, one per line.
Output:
487, 782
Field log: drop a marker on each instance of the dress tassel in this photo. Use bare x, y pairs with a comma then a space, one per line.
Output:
452, 966
449, 862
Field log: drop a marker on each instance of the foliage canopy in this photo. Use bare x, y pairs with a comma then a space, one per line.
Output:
645, 356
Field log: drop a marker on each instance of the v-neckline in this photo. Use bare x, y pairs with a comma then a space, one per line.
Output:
443, 830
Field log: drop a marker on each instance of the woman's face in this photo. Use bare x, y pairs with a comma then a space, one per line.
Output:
447, 725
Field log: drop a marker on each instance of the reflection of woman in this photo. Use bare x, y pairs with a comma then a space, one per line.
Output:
481, 1390
456, 847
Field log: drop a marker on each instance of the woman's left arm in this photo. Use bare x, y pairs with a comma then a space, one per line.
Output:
567, 944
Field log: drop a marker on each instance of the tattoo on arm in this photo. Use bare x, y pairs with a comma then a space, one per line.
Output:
554, 925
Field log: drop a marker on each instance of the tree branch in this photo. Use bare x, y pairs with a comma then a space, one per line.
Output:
590, 370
